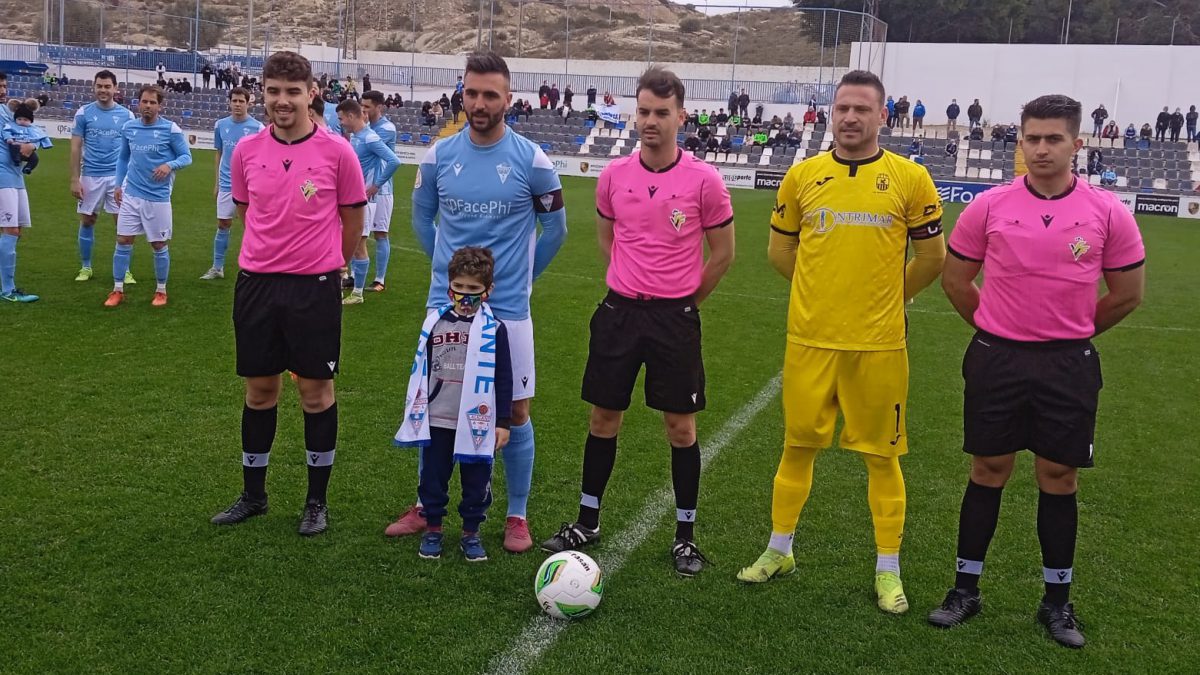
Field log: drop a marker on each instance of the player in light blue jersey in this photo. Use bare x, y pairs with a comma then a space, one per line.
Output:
226, 134
490, 187
95, 146
14, 211
372, 105
153, 148
379, 163
331, 119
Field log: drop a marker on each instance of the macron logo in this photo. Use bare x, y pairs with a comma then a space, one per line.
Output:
457, 168
331, 364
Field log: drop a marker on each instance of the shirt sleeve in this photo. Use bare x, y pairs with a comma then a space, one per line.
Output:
237, 177
923, 213
1123, 249
218, 145
388, 158
716, 208
80, 128
785, 217
543, 179
351, 189
968, 240
179, 144
603, 194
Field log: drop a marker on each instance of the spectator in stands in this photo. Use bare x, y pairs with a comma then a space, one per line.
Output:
43, 99
761, 138
795, 138
162, 84
692, 143
1109, 177
591, 96
705, 133
976, 133
444, 101
821, 120
161, 70
568, 97
1146, 133
456, 104
608, 99
998, 132
184, 85
366, 82
458, 86
1095, 163
918, 115
1098, 117
544, 101
323, 82
952, 112
789, 122
810, 116
351, 88
891, 114
705, 119
437, 110
951, 148
713, 144
780, 139
902, 108
1162, 124
974, 114
733, 102
744, 104
1176, 124
119, 98
1111, 130
693, 120
1010, 135
206, 74
1191, 123
555, 95
544, 94
170, 84
1131, 132
758, 111
726, 144
757, 122
776, 123
722, 118
916, 148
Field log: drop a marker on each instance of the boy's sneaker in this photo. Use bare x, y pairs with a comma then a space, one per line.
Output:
769, 565
570, 537
409, 522
516, 535
355, 298
472, 548
1060, 621
241, 510
114, 298
85, 274
959, 605
689, 561
431, 546
160, 299
19, 296
213, 273
314, 519
377, 287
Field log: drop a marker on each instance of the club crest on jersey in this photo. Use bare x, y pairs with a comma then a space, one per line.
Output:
480, 420
502, 170
308, 189
882, 182
416, 415
547, 202
1079, 247
677, 219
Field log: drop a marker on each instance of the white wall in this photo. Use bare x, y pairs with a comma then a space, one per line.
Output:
1133, 82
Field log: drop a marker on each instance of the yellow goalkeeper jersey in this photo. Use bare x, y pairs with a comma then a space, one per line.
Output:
853, 220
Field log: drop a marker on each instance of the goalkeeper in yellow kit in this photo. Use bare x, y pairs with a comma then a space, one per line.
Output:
840, 232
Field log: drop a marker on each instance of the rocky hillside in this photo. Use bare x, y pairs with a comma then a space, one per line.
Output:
655, 30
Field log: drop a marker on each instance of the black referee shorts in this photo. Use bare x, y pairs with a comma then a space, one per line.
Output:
1037, 396
664, 335
288, 322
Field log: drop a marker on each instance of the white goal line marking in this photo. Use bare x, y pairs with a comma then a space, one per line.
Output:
541, 631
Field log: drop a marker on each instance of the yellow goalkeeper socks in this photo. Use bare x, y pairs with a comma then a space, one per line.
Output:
793, 483
885, 494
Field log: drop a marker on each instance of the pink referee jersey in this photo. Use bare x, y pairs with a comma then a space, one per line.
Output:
292, 192
1043, 257
659, 219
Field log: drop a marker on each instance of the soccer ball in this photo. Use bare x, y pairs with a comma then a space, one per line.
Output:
569, 585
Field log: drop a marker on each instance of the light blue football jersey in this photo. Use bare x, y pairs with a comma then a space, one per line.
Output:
143, 148
226, 134
486, 196
377, 160
387, 133
100, 129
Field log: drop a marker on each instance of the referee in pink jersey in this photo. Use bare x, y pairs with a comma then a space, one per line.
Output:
656, 209
301, 195
1032, 374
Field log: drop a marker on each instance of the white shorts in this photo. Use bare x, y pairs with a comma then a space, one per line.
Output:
226, 209
97, 189
520, 349
383, 213
368, 217
139, 216
14, 207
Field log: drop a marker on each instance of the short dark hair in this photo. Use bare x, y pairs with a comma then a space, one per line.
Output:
864, 78
482, 63
662, 83
3, 76
240, 91
153, 89
475, 262
374, 96
317, 105
350, 107
1054, 107
105, 75
289, 67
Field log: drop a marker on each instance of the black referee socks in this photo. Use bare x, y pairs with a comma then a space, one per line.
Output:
685, 478
976, 524
258, 434
599, 457
1057, 524
320, 437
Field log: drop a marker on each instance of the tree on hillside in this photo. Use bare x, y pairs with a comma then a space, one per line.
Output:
179, 24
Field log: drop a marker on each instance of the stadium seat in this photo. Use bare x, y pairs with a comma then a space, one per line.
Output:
960, 172
743, 159
1094, 179
764, 160
710, 157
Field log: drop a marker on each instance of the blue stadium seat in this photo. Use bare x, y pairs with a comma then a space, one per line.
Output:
425, 138
406, 137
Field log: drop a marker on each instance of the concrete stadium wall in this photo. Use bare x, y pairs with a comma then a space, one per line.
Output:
1133, 82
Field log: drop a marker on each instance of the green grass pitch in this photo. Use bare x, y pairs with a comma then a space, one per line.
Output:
120, 439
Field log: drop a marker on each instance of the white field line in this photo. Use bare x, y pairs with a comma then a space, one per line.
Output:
541, 632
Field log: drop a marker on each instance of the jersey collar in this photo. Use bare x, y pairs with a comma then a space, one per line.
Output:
853, 164
295, 142
1035, 193
672, 165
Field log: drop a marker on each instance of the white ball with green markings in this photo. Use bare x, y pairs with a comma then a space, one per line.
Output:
569, 585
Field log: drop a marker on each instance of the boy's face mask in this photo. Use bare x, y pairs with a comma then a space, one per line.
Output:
467, 302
